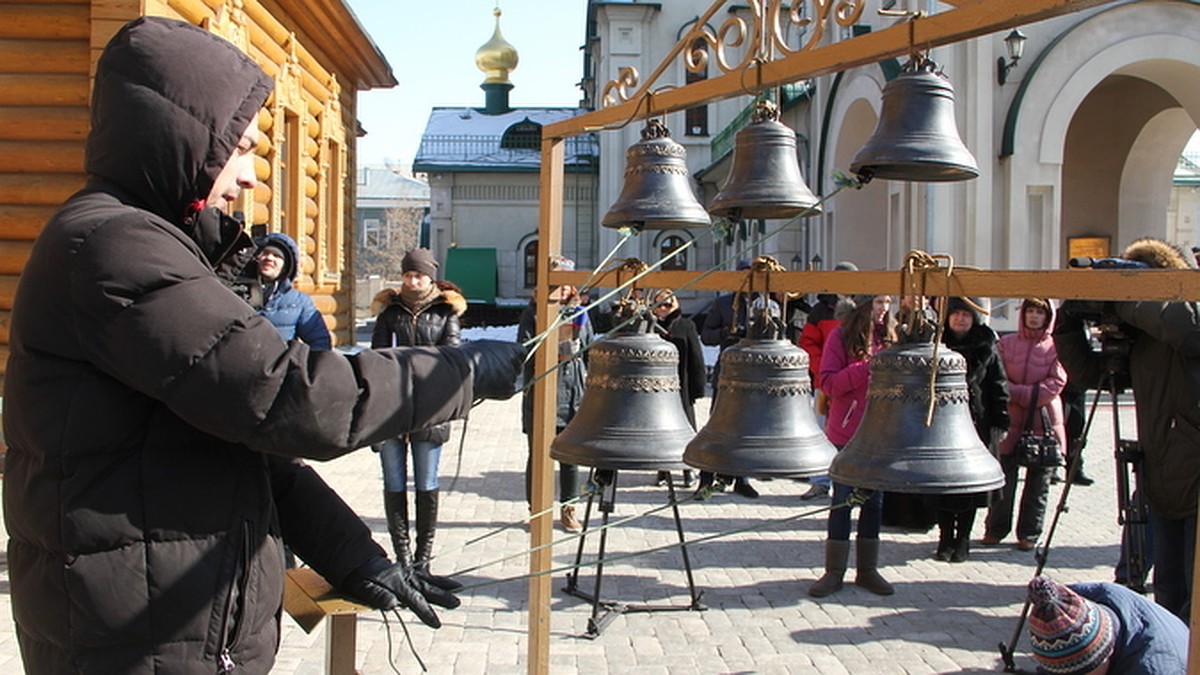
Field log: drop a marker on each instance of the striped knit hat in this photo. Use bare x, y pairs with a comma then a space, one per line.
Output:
1069, 633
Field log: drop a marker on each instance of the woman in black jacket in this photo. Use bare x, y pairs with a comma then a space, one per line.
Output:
681, 331
423, 313
987, 391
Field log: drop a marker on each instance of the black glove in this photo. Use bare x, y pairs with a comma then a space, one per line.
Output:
495, 367
381, 584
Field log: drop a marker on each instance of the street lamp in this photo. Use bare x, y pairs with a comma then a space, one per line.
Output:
1014, 44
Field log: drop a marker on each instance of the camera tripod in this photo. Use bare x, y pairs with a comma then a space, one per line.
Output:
1132, 511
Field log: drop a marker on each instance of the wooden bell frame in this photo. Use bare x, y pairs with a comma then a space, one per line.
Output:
969, 19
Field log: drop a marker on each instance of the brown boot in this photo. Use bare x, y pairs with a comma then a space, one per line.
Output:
867, 560
837, 552
568, 520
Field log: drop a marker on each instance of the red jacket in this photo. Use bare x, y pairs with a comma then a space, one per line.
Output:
821, 322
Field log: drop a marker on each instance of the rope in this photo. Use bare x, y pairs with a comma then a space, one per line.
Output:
407, 636
590, 489
852, 501
577, 535
917, 261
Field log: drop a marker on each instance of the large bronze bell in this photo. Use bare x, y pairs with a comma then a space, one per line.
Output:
631, 415
657, 194
916, 138
765, 180
894, 450
762, 422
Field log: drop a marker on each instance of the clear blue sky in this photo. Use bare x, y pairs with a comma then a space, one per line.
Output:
431, 48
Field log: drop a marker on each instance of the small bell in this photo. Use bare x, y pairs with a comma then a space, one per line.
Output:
657, 194
916, 138
765, 180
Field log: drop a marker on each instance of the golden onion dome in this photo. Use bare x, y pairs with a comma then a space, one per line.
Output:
496, 58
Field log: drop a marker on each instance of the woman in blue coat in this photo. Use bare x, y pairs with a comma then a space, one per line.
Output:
291, 311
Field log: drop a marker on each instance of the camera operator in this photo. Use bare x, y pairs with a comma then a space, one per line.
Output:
1164, 374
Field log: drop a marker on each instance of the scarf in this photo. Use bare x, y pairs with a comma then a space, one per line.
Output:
416, 300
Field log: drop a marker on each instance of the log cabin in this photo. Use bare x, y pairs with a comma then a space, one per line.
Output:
320, 58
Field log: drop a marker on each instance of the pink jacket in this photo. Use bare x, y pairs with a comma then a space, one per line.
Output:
1030, 358
845, 383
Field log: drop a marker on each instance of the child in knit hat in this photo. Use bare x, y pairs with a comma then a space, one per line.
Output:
1102, 628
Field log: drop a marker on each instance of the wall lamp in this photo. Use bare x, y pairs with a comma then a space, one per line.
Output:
1014, 44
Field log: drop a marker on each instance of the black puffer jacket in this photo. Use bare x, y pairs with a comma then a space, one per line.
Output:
986, 381
152, 415
435, 324
1164, 364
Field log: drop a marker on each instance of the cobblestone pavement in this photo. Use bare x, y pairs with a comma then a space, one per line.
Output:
944, 617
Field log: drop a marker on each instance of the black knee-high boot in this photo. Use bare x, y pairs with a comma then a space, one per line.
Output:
427, 512
964, 521
945, 548
395, 508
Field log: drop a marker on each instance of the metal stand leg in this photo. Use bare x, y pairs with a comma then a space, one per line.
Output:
687, 563
607, 479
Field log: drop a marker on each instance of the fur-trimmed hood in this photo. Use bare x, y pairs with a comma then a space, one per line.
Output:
451, 295
1158, 254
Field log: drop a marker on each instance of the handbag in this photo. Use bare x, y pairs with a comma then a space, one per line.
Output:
1033, 450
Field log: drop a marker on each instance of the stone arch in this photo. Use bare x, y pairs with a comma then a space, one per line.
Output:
855, 224
1115, 56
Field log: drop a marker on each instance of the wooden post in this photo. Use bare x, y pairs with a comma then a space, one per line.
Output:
545, 404
340, 637
308, 599
1193, 667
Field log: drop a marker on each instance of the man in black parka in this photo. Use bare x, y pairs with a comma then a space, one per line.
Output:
155, 420
1163, 366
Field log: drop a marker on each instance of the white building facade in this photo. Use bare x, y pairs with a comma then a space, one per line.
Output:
1079, 143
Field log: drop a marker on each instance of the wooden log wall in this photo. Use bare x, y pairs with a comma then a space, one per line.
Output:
44, 65
48, 51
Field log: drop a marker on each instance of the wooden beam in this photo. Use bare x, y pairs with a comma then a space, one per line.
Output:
970, 21
1167, 285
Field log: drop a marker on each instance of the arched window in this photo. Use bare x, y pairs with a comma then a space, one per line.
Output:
529, 262
524, 135
667, 246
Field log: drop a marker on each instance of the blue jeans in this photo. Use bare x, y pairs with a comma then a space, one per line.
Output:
393, 454
870, 515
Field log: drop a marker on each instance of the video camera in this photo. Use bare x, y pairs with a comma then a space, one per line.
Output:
1114, 336
1106, 263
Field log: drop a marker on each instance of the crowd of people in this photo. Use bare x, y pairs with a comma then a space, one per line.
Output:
194, 368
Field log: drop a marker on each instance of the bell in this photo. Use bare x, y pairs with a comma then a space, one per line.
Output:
916, 138
894, 450
762, 423
657, 194
631, 415
765, 181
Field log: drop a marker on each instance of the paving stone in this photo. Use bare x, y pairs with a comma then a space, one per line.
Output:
943, 618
